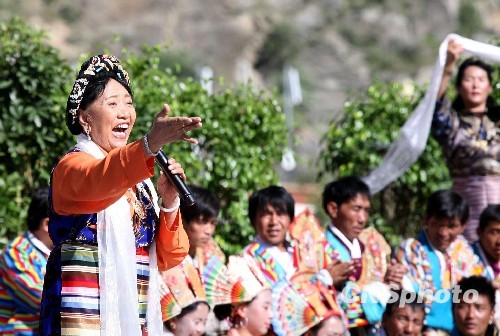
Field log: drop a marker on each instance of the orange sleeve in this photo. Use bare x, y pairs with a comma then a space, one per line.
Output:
82, 184
172, 244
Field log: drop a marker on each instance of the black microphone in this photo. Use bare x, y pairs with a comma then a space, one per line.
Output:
181, 187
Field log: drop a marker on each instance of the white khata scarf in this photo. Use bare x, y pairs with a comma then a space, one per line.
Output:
119, 311
412, 137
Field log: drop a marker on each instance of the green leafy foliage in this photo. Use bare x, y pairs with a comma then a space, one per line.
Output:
242, 138
358, 143
32, 82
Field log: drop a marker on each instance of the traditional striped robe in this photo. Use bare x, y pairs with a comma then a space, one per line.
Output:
22, 268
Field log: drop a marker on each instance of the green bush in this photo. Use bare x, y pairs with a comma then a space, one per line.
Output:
32, 88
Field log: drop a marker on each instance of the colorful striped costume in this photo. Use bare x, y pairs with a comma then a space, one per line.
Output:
427, 274
306, 247
271, 268
71, 295
22, 268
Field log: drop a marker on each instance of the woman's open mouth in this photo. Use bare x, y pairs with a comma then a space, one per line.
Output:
120, 131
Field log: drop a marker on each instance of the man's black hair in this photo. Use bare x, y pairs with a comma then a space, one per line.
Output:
447, 204
398, 297
479, 284
277, 197
344, 189
207, 205
489, 215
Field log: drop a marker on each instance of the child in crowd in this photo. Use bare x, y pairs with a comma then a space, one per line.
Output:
22, 268
200, 220
183, 302
241, 293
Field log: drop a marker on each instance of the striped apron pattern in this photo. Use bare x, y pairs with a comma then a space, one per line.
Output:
478, 191
80, 289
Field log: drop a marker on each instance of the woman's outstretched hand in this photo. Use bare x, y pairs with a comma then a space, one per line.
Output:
167, 129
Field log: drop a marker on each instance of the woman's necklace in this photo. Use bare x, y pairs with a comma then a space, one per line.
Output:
138, 207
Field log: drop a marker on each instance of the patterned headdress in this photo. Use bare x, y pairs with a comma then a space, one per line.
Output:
240, 281
300, 306
184, 287
96, 67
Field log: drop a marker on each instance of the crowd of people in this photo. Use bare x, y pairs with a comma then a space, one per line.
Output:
105, 255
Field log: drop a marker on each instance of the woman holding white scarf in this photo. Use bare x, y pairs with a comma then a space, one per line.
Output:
110, 231
468, 130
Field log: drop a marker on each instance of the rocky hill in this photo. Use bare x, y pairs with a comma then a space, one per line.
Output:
338, 46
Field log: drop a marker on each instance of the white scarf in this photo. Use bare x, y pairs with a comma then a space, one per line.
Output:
412, 138
119, 311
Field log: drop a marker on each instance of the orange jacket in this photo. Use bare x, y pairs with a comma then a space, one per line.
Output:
82, 184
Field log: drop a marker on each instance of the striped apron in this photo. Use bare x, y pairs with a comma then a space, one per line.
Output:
80, 289
478, 191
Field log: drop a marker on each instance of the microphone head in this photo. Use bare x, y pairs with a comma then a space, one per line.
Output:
189, 199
